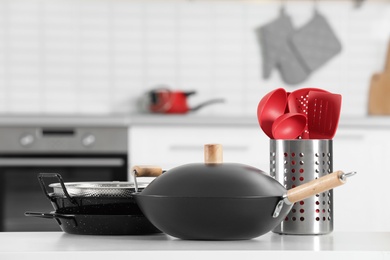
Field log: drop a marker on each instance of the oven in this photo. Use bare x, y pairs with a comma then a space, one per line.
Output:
78, 153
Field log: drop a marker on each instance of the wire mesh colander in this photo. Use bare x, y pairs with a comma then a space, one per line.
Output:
97, 189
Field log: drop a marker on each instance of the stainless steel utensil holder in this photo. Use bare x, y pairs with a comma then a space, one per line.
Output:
294, 162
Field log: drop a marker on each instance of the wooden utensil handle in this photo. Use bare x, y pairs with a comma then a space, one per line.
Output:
213, 154
146, 171
316, 186
387, 62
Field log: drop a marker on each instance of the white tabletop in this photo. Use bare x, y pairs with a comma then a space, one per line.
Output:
59, 245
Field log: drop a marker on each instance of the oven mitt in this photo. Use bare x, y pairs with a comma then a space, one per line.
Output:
277, 52
315, 43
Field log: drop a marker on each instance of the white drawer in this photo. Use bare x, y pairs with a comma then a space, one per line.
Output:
169, 146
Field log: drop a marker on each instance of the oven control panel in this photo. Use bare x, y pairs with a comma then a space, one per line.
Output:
64, 139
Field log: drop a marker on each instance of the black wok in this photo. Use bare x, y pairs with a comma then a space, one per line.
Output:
222, 201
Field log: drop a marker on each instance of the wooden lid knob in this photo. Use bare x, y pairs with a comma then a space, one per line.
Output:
213, 154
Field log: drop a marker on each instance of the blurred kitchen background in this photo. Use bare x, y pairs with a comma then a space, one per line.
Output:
73, 75
100, 56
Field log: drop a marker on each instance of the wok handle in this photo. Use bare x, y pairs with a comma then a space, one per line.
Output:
316, 186
146, 171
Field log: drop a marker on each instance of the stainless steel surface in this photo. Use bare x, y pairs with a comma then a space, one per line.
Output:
66, 139
62, 162
294, 162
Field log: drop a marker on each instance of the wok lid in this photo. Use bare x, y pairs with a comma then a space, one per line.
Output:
214, 179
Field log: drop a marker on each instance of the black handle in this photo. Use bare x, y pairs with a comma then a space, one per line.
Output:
52, 215
39, 214
59, 177
189, 93
213, 101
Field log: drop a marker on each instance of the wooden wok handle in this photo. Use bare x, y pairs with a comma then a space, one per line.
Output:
146, 171
316, 186
213, 154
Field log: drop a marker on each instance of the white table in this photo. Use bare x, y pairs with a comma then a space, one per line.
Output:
59, 245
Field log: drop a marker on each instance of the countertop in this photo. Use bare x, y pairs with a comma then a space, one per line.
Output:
63, 120
59, 245
123, 120
223, 120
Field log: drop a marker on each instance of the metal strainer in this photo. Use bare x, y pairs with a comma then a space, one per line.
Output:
97, 189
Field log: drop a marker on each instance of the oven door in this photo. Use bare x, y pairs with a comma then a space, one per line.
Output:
20, 190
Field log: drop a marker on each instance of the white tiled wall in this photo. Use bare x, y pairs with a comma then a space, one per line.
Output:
99, 56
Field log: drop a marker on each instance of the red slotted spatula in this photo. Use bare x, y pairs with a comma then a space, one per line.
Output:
323, 114
298, 103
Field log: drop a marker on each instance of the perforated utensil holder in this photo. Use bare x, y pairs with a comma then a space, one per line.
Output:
295, 162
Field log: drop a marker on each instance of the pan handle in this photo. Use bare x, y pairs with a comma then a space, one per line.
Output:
144, 171
316, 186
48, 215
59, 177
52, 215
206, 103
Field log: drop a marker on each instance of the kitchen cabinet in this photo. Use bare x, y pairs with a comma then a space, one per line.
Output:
359, 206
170, 146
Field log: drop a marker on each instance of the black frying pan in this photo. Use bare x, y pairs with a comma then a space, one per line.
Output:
222, 201
99, 208
82, 224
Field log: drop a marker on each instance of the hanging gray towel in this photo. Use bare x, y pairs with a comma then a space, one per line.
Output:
274, 39
315, 43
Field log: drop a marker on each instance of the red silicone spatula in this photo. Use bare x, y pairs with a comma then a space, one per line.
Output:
323, 114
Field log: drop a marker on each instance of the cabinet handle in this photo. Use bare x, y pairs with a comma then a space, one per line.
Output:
236, 148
